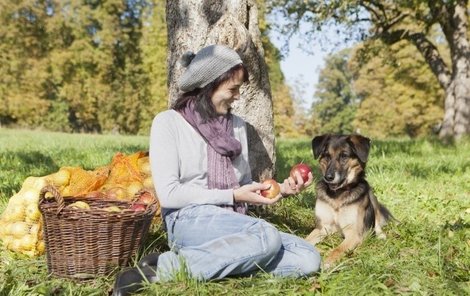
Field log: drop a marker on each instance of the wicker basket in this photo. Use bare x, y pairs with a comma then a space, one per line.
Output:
82, 244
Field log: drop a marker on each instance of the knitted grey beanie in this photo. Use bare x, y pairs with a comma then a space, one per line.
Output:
206, 66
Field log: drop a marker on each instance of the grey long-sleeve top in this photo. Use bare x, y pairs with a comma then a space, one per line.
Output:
178, 159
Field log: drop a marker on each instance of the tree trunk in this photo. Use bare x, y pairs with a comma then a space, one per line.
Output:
194, 24
456, 121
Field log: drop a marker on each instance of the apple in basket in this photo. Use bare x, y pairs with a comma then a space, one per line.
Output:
146, 198
79, 205
117, 192
112, 209
138, 207
272, 191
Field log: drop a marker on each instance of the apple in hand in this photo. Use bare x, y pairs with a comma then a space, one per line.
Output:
272, 191
303, 169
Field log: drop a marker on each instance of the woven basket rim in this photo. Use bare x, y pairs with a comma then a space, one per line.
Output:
48, 205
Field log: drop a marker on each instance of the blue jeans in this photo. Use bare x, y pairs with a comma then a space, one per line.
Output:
212, 243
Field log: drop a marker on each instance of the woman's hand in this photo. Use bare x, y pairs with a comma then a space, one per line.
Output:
293, 186
250, 194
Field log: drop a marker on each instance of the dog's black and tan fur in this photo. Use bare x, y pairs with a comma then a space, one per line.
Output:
345, 202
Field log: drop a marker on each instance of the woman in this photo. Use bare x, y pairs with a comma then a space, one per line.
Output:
199, 161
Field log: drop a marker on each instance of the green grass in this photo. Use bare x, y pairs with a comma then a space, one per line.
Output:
426, 186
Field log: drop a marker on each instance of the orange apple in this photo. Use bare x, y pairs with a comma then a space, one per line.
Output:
138, 207
272, 191
303, 170
112, 209
146, 198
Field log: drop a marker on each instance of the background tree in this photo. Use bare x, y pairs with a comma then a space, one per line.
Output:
23, 61
194, 24
285, 116
390, 22
399, 81
336, 104
154, 50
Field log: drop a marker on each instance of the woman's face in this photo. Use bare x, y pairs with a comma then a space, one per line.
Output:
227, 93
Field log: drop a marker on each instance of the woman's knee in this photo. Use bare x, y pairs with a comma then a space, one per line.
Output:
270, 238
309, 260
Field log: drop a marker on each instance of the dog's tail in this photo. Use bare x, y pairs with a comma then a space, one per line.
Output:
386, 216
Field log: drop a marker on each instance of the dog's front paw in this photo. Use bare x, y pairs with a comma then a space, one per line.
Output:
381, 235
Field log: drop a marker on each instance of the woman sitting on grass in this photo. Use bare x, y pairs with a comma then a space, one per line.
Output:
199, 160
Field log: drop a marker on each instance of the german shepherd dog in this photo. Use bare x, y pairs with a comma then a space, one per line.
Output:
345, 202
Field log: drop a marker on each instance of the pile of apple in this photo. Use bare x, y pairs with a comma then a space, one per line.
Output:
125, 186
139, 204
21, 222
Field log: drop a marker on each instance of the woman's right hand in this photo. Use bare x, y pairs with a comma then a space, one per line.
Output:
250, 194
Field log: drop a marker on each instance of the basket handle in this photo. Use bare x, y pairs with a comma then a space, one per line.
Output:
55, 193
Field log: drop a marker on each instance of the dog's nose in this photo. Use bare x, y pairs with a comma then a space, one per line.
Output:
329, 177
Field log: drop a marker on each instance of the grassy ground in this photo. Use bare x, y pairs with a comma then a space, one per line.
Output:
425, 185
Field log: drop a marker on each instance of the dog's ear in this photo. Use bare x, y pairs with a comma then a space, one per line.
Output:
361, 146
318, 143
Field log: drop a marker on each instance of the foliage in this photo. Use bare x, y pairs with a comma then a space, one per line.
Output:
420, 181
154, 45
336, 104
79, 65
285, 115
401, 21
96, 66
399, 81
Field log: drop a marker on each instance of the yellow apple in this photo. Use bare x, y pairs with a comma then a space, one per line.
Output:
28, 242
41, 247
19, 229
32, 212
144, 165
81, 205
133, 188
61, 178
148, 183
112, 209
31, 196
14, 212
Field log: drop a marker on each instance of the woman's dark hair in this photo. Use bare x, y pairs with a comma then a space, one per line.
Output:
202, 96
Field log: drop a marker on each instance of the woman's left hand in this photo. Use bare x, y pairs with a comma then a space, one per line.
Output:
292, 186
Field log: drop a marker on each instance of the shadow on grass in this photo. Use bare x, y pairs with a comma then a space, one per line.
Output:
26, 160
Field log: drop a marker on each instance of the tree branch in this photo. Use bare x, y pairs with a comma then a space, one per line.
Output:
426, 48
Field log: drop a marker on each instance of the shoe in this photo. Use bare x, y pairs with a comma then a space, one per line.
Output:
132, 279
149, 260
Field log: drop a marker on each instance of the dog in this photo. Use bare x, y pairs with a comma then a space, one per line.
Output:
345, 202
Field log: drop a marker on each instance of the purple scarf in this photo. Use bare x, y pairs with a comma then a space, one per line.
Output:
222, 148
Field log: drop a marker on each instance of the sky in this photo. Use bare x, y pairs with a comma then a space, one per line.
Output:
301, 69
305, 59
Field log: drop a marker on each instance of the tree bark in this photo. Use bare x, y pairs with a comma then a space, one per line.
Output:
456, 121
194, 24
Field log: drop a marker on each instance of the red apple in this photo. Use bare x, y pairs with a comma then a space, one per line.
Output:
303, 169
138, 207
272, 191
146, 198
